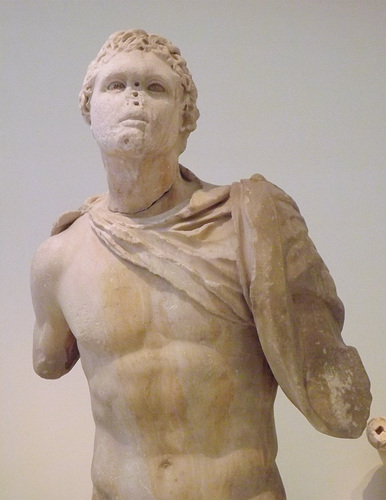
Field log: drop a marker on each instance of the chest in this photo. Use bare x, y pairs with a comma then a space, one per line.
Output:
114, 306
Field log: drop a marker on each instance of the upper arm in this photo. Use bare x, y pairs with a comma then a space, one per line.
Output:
54, 346
337, 386
297, 312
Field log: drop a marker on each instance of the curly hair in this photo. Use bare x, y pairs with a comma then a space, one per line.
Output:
126, 41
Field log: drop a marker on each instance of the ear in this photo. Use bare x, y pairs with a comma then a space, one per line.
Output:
186, 122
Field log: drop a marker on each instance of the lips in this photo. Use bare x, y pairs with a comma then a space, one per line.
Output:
135, 116
134, 122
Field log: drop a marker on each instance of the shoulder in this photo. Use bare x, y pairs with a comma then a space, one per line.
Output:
260, 199
68, 232
47, 258
259, 189
66, 219
55, 253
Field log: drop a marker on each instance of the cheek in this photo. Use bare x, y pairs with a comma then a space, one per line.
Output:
97, 126
102, 111
100, 122
163, 111
171, 125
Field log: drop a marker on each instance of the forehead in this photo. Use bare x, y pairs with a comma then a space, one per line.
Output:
137, 63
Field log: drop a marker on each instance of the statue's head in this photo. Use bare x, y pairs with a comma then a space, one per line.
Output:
127, 41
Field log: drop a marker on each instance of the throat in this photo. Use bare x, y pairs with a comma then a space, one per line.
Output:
149, 194
148, 208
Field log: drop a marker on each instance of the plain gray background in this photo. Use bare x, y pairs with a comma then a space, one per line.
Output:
291, 89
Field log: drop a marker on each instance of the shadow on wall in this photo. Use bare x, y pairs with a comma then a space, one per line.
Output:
373, 485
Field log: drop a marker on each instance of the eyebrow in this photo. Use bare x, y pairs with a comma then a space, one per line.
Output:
147, 75
115, 74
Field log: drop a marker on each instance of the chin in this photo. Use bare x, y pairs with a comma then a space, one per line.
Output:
132, 143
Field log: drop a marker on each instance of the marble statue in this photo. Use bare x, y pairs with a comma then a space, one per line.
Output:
187, 303
376, 435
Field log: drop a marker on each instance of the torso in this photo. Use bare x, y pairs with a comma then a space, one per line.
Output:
182, 399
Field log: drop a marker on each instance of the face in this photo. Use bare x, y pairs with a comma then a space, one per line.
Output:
136, 106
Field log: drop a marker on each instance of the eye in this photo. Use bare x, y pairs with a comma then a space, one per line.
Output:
156, 87
116, 86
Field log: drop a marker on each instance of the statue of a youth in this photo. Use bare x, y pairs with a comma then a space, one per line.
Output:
187, 303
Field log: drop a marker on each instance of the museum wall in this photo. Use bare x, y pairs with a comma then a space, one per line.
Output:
293, 90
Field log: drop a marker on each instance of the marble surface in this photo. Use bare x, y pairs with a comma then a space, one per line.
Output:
187, 303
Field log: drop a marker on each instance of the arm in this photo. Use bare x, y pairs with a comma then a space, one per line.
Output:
297, 312
55, 349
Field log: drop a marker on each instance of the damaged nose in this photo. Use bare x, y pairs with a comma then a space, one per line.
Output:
133, 99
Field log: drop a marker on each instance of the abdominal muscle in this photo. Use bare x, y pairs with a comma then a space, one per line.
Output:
235, 476
178, 422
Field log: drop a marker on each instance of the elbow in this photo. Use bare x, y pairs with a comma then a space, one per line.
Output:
48, 368
53, 362
351, 426
338, 417
47, 373
341, 406
356, 411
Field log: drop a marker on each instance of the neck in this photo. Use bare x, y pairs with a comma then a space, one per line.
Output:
145, 187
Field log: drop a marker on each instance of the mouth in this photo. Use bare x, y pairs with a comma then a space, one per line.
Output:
134, 122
